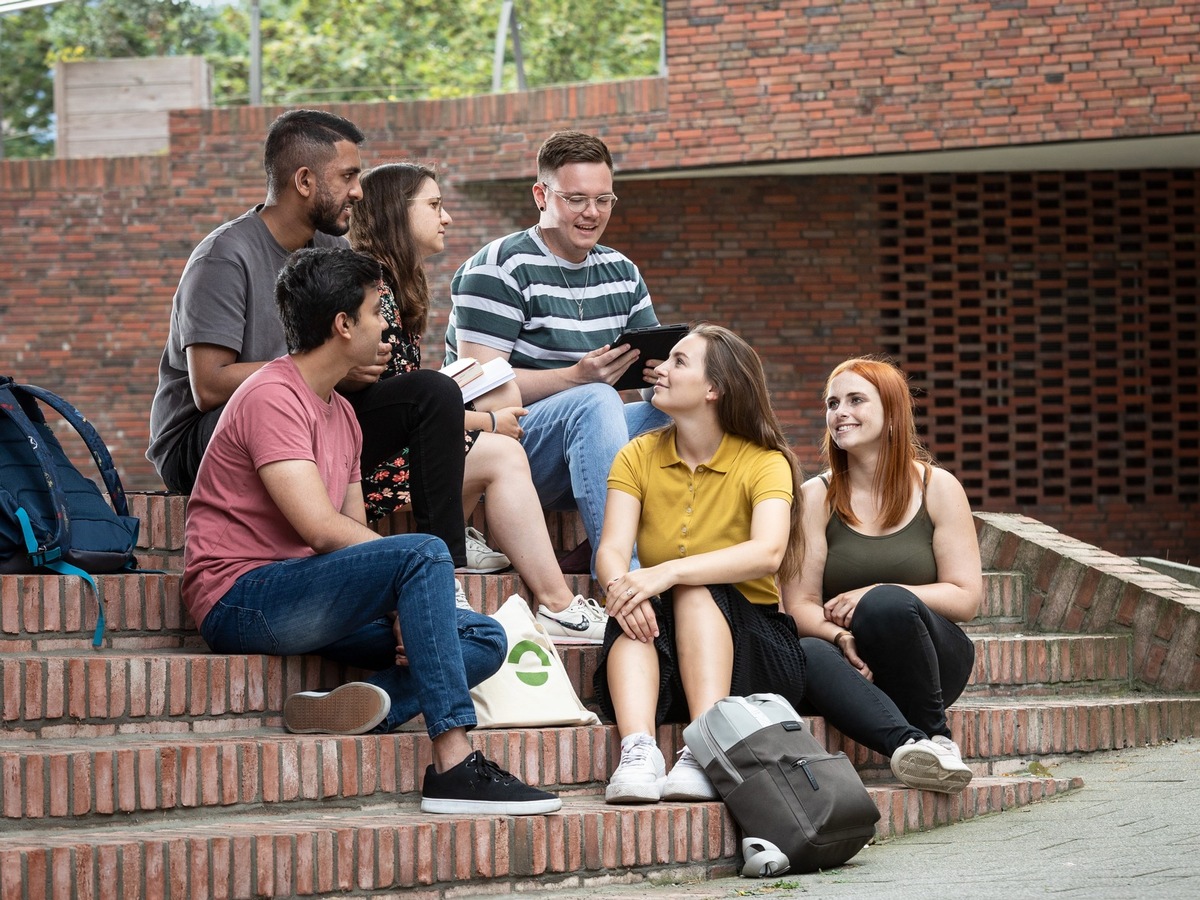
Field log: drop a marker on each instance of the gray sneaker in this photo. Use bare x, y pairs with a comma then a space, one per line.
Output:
460, 596
584, 621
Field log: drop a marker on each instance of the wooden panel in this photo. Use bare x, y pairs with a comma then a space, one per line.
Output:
119, 106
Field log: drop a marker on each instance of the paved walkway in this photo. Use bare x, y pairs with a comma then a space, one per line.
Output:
1133, 831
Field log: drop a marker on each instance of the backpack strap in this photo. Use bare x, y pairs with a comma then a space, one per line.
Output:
92, 439
49, 554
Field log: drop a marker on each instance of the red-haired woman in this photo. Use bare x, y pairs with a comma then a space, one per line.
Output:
891, 565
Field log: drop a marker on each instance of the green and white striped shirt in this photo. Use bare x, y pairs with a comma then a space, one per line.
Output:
514, 296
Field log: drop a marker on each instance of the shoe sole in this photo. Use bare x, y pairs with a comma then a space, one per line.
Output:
353, 708
923, 771
482, 570
495, 808
634, 793
683, 794
556, 630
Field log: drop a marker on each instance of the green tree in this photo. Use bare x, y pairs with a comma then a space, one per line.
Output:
317, 51
26, 89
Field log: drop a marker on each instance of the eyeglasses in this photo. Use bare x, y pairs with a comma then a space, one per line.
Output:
577, 203
435, 202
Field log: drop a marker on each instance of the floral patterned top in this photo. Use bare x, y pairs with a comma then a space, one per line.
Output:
387, 488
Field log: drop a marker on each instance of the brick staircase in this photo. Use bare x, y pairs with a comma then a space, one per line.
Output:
155, 768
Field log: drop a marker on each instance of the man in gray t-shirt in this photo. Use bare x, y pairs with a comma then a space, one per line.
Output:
224, 324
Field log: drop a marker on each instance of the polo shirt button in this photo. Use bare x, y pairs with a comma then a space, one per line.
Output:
682, 550
685, 530
689, 510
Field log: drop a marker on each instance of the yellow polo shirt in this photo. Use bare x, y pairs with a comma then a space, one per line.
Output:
685, 513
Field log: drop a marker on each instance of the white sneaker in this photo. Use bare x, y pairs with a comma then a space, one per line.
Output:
482, 559
460, 596
943, 741
930, 765
688, 780
583, 620
640, 776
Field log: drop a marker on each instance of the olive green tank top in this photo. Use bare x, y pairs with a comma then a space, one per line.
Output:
855, 560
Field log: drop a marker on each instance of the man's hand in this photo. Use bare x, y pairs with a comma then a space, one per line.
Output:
361, 376
605, 364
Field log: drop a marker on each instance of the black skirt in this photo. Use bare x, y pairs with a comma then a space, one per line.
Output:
767, 656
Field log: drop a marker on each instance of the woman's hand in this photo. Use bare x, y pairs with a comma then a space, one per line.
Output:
845, 642
360, 377
638, 621
508, 421
632, 588
840, 609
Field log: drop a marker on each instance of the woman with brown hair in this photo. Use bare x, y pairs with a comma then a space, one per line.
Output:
711, 503
400, 222
892, 565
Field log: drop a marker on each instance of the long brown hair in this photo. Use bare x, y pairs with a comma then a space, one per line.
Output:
900, 450
379, 227
744, 409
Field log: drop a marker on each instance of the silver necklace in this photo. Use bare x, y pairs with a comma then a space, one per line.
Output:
587, 282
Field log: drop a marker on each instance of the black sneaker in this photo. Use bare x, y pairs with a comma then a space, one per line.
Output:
478, 785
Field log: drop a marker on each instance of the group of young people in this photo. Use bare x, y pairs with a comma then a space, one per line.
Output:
293, 407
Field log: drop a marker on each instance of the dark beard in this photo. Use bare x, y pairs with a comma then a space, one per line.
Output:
326, 214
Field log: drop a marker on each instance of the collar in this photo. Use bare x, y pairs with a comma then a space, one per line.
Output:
721, 461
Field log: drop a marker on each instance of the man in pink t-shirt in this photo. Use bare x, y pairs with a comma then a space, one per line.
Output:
279, 559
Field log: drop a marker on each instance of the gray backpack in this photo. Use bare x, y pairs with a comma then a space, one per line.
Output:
800, 807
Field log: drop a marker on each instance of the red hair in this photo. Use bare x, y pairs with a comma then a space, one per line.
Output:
900, 448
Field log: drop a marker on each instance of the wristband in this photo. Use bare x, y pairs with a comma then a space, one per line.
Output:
493, 415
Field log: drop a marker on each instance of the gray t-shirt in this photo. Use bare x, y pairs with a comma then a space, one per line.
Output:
226, 296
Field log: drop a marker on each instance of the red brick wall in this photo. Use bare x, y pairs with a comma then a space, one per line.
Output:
810, 269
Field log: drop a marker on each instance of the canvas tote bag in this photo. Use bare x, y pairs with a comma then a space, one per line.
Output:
531, 688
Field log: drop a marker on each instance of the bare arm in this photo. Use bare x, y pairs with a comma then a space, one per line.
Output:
959, 588
744, 561
802, 595
214, 374
296, 487
603, 365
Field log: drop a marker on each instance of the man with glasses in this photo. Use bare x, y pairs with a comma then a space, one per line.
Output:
551, 300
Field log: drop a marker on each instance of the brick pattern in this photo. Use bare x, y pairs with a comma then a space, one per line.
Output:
1076, 587
191, 743
796, 264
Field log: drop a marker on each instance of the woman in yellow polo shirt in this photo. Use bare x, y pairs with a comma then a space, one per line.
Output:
709, 501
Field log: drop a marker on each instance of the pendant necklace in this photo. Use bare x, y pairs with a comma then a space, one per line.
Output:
578, 298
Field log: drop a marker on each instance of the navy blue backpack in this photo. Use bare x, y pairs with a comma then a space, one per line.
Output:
51, 516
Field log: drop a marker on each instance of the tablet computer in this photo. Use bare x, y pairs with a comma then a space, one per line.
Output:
655, 342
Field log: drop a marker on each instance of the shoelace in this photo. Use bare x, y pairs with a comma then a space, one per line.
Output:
638, 753
590, 608
487, 769
476, 542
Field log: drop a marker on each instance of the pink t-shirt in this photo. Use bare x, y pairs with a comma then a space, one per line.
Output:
233, 525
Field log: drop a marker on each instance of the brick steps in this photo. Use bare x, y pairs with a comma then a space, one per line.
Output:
100, 775
50, 690
157, 768
51, 612
394, 845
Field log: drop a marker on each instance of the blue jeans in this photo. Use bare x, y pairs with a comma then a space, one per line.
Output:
572, 438
337, 605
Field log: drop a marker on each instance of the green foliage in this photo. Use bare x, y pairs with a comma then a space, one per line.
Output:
324, 51
26, 91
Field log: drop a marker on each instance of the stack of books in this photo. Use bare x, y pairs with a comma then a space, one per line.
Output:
475, 378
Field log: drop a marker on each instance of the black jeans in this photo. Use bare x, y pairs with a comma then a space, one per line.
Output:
854, 706
183, 462
920, 659
423, 411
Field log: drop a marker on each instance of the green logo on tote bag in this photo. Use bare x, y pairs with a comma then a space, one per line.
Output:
536, 678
